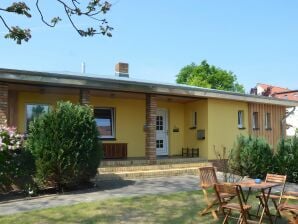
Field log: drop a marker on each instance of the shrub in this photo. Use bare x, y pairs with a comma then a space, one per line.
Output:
16, 163
251, 156
65, 144
286, 158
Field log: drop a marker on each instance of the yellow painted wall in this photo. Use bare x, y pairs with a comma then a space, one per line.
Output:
190, 139
38, 98
223, 124
217, 117
130, 120
175, 120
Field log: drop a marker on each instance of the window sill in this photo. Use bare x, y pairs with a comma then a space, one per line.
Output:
256, 129
241, 128
268, 129
107, 139
193, 127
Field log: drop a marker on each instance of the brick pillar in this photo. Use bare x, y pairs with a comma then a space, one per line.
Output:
3, 104
84, 97
151, 107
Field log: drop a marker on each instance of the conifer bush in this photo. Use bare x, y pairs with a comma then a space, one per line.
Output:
286, 159
251, 156
65, 145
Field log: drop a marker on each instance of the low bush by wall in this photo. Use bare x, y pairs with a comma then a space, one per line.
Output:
16, 163
65, 145
253, 157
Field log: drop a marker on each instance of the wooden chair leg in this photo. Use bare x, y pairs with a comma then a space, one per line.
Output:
210, 206
227, 216
240, 219
277, 214
259, 207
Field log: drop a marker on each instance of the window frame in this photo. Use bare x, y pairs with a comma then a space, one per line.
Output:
194, 119
268, 125
240, 119
255, 120
26, 112
113, 117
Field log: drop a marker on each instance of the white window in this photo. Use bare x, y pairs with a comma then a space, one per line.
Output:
240, 119
105, 122
33, 111
255, 120
267, 121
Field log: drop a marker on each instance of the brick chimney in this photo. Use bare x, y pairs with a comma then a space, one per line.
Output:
121, 69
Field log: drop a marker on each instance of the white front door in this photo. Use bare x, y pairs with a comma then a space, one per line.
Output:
162, 132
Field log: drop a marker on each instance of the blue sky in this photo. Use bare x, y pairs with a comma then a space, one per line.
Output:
257, 40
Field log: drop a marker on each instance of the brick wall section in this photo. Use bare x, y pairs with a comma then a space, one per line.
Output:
84, 96
3, 103
151, 107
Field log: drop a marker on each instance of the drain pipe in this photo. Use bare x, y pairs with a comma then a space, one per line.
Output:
284, 120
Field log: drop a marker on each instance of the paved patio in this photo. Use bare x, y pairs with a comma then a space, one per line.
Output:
107, 190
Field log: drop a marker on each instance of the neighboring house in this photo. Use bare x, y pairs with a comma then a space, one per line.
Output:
281, 93
141, 118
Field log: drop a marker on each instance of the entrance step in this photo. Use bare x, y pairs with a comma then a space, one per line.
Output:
103, 170
148, 171
159, 161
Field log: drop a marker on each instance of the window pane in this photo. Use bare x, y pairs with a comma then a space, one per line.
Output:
255, 120
240, 119
267, 120
159, 123
33, 111
104, 121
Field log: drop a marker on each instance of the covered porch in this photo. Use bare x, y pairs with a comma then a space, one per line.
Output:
150, 127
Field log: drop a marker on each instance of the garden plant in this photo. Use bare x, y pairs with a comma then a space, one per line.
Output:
65, 145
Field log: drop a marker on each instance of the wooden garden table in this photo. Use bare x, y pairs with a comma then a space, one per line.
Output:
265, 188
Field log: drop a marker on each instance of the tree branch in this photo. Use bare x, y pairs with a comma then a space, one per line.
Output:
73, 10
5, 24
41, 15
69, 18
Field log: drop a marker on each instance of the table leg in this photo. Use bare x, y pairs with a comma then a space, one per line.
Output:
247, 195
245, 199
264, 202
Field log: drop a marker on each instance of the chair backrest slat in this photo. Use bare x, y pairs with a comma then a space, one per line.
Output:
207, 177
275, 178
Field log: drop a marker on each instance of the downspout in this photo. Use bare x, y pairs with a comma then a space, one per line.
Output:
284, 120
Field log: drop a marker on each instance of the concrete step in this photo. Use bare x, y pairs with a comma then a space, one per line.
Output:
149, 171
159, 161
146, 174
103, 170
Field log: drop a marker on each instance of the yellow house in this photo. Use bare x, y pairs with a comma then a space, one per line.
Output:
145, 119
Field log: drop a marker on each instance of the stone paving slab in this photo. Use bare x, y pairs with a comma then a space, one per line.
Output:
110, 189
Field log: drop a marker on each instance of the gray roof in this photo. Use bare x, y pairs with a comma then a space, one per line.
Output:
79, 80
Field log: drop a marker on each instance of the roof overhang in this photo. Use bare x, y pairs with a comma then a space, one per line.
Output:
130, 85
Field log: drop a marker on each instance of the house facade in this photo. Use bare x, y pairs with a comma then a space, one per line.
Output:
282, 93
145, 119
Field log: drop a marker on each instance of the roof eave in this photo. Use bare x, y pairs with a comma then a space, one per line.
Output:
56, 79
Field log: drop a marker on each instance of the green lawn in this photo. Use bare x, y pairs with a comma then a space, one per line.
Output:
176, 208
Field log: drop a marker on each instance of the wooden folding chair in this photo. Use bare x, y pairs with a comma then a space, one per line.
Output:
207, 180
289, 211
227, 207
275, 197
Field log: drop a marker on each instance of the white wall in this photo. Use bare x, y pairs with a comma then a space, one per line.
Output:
292, 120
